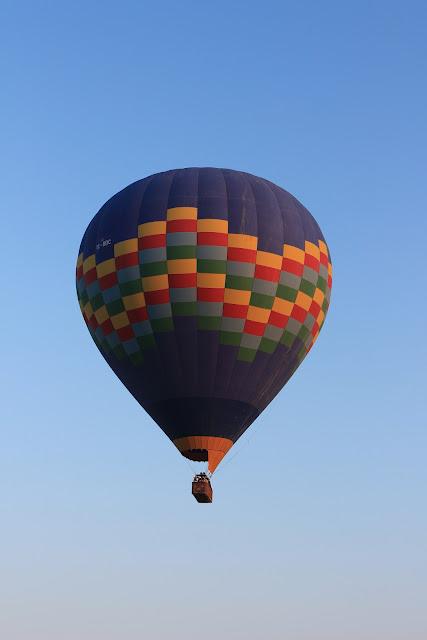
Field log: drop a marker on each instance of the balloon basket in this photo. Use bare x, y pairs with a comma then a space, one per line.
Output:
201, 488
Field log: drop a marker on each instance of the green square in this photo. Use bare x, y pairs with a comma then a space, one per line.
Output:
261, 300
286, 293
131, 287
105, 346
119, 352
307, 287
287, 338
97, 302
153, 268
301, 354
238, 282
146, 342
303, 333
209, 323
181, 253
230, 337
211, 266
115, 307
184, 308
137, 358
267, 345
325, 305
247, 355
321, 284
84, 298
160, 325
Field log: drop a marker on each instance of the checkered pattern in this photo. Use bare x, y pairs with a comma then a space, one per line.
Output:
185, 266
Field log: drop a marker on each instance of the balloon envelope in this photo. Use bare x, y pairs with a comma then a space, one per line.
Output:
204, 289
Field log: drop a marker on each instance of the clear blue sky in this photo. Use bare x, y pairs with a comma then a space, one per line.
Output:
319, 528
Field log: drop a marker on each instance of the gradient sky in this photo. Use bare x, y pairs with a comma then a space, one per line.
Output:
319, 526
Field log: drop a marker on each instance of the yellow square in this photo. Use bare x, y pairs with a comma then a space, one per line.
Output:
323, 248
182, 265
212, 225
235, 296
120, 320
258, 314
156, 228
312, 249
101, 315
293, 253
79, 260
283, 306
242, 241
135, 301
303, 300
155, 283
87, 310
106, 267
211, 280
126, 246
181, 213
268, 259
89, 263
319, 296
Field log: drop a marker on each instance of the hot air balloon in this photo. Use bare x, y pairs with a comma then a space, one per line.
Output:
204, 289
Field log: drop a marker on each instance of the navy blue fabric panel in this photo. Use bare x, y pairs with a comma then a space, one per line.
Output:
172, 378
207, 349
89, 238
184, 189
213, 202
242, 215
315, 227
119, 221
270, 222
155, 198
226, 359
293, 231
186, 335
203, 416
310, 230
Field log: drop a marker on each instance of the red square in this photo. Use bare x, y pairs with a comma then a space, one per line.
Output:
107, 327
323, 258
298, 313
152, 242
212, 238
127, 260
312, 262
108, 281
174, 226
125, 333
277, 319
137, 315
291, 266
157, 297
182, 280
314, 309
254, 328
210, 295
91, 276
267, 273
235, 310
241, 255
